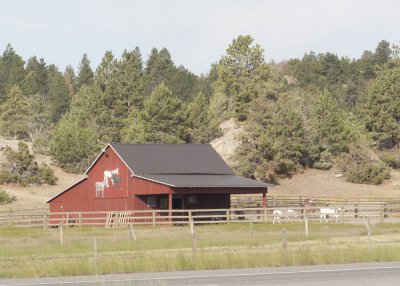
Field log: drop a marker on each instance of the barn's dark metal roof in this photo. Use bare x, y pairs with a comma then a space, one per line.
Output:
205, 181
181, 165
172, 159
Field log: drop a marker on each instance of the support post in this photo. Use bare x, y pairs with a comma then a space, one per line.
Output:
264, 200
228, 216
342, 212
154, 218
251, 227
190, 221
368, 227
80, 220
132, 232
95, 253
305, 220
194, 245
61, 235
284, 246
45, 221
170, 207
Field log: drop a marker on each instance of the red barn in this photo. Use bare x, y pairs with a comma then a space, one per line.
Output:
155, 176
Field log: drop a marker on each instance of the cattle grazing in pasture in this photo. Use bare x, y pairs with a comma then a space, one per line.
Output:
110, 175
100, 189
326, 212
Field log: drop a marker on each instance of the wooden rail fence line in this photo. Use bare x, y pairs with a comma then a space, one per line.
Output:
344, 213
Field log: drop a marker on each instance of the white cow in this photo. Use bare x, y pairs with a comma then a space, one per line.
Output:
325, 212
100, 189
110, 175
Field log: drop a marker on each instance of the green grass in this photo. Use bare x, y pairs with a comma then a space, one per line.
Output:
38, 253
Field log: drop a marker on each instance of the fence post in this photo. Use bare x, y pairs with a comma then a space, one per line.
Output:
251, 226
45, 221
132, 232
284, 245
154, 218
67, 222
80, 219
95, 254
368, 227
9, 221
61, 235
381, 216
194, 244
265, 214
343, 213
355, 211
228, 216
305, 220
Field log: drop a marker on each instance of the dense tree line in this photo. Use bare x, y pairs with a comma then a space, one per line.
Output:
317, 111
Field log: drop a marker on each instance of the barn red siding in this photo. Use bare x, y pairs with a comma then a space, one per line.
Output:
125, 192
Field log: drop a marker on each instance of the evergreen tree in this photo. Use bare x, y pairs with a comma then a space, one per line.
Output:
197, 120
85, 73
380, 112
15, 115
274, 142
36, 77
70, 80
11, 70
73, 146
241, 75
57, 96
331, 129
160, 120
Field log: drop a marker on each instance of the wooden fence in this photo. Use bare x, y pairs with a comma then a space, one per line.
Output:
344, 213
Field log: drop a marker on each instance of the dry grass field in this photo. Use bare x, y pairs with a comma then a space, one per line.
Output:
36, 252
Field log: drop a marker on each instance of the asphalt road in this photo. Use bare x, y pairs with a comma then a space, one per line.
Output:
385, 274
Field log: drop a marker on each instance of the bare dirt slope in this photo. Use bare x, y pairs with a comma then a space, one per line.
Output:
34, 197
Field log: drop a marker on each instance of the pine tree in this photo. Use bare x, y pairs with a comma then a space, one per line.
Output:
85, 73
198, 121
331, 127
160, 120
15, 115
73, 146
11, 70
380, 112
57, 96
241, 75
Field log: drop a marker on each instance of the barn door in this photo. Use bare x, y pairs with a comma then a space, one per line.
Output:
177, 202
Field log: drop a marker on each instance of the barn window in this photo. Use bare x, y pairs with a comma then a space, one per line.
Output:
151, 202
163, 203
192, 200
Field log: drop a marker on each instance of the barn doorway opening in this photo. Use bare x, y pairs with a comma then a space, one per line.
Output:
177, 203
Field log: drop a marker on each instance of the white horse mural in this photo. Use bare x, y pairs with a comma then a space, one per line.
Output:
100, 189
110, 174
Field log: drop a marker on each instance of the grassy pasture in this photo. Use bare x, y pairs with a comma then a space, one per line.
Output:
33, 252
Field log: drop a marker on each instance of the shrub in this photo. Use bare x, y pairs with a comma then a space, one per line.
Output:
6, 198
359, 168
324, 162
391, 158
21, 168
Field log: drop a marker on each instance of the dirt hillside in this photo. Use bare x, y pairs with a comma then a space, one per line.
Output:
311, 183
34, 197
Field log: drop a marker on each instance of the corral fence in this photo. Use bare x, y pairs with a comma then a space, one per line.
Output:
340, 213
